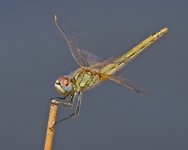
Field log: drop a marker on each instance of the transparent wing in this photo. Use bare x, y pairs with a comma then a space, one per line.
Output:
90, 58
126, 83
83, 58
99, 65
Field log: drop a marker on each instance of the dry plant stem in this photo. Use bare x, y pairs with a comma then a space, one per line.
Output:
50, 130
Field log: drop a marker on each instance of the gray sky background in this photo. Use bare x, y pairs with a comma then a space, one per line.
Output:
34, 54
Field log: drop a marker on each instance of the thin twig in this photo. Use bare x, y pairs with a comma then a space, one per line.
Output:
50, 128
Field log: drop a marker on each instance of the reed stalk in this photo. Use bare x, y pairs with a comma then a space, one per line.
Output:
50, 128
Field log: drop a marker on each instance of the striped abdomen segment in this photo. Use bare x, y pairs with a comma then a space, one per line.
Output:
128, 56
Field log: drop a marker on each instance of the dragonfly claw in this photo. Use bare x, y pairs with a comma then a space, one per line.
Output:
54, 101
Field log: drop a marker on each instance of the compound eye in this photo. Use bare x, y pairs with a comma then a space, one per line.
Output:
64, 81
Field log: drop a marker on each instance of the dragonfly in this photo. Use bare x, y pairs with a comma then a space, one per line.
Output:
91, 73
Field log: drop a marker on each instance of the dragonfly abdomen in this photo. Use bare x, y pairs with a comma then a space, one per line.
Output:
122, 60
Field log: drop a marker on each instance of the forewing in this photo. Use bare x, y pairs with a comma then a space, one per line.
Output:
77, 54
90, 58
126, 83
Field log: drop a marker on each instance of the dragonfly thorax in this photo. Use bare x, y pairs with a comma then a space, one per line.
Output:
85, 78
63, 85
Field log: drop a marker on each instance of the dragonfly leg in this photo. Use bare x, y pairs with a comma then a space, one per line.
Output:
76, 112
60, 100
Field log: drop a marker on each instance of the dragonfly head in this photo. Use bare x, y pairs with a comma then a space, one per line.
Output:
63, 85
